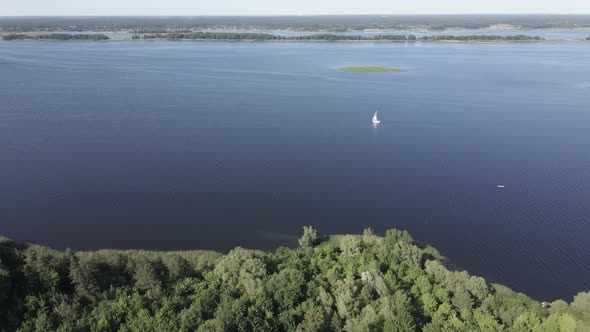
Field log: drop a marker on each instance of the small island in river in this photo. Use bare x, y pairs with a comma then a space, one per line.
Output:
371, 69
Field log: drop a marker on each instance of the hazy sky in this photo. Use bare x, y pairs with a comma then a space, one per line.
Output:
286, 7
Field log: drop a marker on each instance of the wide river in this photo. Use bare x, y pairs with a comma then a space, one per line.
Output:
211, 145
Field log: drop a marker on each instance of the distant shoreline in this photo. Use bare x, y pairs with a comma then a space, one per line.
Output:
324, 23
552, 40
348, 29
237, 35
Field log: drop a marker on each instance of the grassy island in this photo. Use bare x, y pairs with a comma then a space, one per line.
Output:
371, 69
334, 283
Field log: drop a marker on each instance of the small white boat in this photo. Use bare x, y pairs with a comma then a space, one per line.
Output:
500, 186
375, 120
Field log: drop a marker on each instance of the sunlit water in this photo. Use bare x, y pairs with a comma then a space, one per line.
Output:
209, 145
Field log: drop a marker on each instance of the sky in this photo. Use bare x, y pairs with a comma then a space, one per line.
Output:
286, 7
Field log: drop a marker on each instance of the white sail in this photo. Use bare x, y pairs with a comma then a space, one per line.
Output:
375, 120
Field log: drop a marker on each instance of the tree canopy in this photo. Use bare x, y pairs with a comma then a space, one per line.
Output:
361, 282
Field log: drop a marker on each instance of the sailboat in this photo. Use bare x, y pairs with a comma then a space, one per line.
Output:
375, 120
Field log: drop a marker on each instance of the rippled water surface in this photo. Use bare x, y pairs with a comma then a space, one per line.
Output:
179, 145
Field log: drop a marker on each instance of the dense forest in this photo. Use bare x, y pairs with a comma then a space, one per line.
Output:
335, 283
55, 36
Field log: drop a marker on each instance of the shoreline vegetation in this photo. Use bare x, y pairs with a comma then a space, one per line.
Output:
55, 36
360, 282
329, 37
272, 37
371, 69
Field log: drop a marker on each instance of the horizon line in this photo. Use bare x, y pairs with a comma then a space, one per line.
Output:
291, 15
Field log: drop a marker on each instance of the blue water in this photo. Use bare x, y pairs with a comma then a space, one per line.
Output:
209, 145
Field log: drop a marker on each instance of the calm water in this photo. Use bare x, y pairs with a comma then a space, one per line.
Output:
179, 145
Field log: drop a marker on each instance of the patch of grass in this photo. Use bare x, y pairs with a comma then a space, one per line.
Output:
370, 69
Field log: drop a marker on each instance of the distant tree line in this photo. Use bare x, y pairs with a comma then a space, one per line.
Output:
55, 36
332, 23
266, 36
214, 35
349, 37
156, 30
330, 37
360, 283
481, 37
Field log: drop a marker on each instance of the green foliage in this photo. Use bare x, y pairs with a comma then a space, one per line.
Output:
309, 237
402, 322
582, 301
350, 246
56, 36
343, 283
